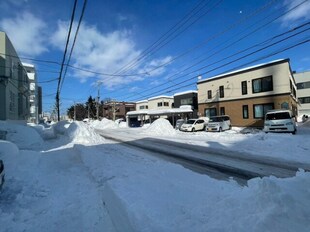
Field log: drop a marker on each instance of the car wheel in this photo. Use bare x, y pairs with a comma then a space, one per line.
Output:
220, 129
193, 130
294, 132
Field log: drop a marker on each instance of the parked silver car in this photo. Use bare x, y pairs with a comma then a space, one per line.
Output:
219, 123
179, 123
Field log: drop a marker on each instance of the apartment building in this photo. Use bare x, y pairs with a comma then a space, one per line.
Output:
33, 93
14, 83
303, 92
247, 94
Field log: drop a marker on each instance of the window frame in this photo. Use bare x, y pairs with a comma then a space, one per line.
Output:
221, 91
209, 94
222, 110
264, 110
244, 87
262, 87
245, 108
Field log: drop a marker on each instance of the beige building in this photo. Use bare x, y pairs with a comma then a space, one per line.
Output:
14, 83
247, 94
160, 102
303, 92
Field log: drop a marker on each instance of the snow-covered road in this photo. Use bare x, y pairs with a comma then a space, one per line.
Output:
233, 163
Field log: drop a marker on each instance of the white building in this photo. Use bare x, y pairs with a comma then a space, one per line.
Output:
303, 92
33, 95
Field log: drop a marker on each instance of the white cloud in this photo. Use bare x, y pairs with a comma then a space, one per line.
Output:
301, 12
26, 33
104, 53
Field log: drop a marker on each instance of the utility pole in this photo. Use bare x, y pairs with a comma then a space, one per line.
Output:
98, 97
57, 106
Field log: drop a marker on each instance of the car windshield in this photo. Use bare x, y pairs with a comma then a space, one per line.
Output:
216, 119
190, 121
278, 116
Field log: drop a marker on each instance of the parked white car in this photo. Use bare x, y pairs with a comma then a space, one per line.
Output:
280, 121
194, 124
219, 123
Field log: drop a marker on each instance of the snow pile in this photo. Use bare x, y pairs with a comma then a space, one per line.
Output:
81, 133
160, 126
23, 136
61, 127
103, 124
45, 132
122, 125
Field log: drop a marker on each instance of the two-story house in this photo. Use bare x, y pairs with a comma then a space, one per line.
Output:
247, 94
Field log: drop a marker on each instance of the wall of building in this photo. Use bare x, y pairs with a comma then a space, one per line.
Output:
153, 103
14, 83
281, 95
234, 108
303, 92
281, 75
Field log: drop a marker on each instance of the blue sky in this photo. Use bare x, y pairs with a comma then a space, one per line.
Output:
194, 38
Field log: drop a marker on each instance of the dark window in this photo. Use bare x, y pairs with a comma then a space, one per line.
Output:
244, 88
304, 100
262, 84
260, 110
210, 112
166, 103
222, 110
245, 111
221, 91
187, 101
303, 85
209, 94
159, 104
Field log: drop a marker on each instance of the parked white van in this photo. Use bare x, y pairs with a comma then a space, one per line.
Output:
219, 123
280, 121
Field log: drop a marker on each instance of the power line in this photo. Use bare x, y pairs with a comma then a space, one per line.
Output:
161, 43
244, 56
73, 44
64, 57
293, 8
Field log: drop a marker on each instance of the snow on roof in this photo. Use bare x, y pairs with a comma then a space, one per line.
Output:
28, 65
142, 101
137, 112
162, 96
185, 92
182, 109
242, 70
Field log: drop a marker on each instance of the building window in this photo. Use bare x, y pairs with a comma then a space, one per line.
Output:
210, 112
260, 110
187, 101
221, 91
244, 88
209, 94
12, 104
245, 111
222, 110
159, 104
166, 103
303, 85
304, 100
263, 84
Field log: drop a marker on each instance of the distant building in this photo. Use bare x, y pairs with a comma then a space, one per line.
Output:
247, 94
303, 92
187, 98
14, 83
115, 110
33, 93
